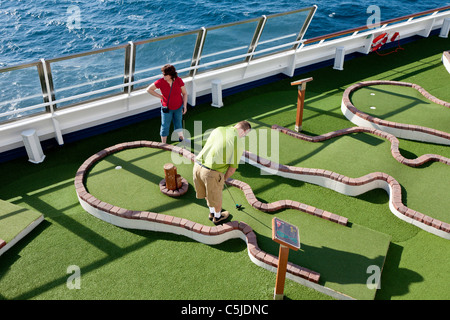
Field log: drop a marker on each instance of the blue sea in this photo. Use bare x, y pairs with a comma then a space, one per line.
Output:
31, 30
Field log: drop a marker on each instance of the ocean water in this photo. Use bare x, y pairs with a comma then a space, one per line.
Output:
31, 30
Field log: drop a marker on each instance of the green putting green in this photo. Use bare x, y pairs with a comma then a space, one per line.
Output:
403, 105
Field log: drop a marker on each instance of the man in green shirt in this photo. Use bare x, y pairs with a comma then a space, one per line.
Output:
216, 162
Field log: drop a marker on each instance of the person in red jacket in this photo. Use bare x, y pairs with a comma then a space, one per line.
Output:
173, 97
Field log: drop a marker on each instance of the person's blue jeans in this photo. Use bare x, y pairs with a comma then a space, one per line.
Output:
166, 119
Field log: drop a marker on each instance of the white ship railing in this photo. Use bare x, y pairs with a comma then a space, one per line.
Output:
125, 83
75, 92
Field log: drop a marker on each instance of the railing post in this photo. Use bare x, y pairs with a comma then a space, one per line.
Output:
46, 70
199, 44
45, 78
305, 27
255, 39
130, 65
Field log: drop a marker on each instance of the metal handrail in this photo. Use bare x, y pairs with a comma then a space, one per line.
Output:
288, 44
15, 111
170, 36
19, 66
224, 51
91, 93
21, 99
86, 53
277, 39
89, 83
159, 67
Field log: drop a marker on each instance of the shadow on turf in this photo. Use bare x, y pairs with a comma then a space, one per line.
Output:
341, 267
399, 279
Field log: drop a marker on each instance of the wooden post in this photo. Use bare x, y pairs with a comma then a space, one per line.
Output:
281, 272
170, 174
300, 101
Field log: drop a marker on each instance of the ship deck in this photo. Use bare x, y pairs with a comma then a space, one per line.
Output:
126, 263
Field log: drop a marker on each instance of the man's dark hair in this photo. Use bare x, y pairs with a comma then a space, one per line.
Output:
244, 125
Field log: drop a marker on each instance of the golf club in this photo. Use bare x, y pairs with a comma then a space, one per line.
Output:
238, 206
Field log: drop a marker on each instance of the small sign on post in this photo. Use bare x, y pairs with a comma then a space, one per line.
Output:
288, 237
300, 101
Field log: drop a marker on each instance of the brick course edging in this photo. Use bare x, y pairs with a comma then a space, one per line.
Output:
281, 204
395, 196
211, 231
395, 151
398, 127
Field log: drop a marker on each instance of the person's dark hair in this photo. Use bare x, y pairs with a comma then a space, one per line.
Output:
169, 69
244, 125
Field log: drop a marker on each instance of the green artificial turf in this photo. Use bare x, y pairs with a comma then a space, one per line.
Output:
14, 219
126, 264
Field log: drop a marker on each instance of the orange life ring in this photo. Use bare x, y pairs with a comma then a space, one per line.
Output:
379, 41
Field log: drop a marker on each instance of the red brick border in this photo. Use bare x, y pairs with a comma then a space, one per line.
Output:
176, 192
395, 151
348, 104
281, 204
251, 239
2, 243
396, 195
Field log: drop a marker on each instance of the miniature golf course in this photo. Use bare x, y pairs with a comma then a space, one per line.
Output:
127, 263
